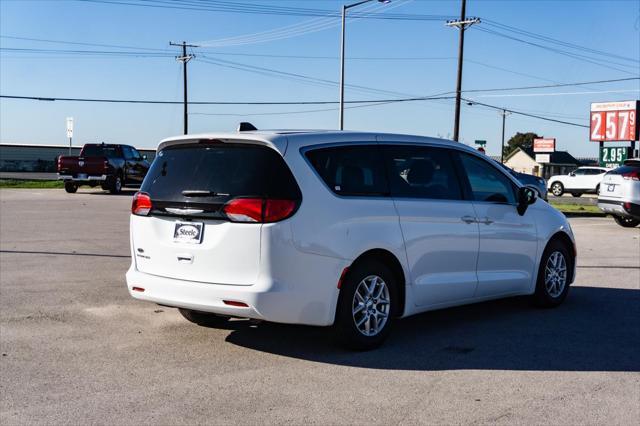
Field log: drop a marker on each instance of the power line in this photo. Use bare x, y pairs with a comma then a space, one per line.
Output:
583, 58
541, 37
109, 53
42, 40
546, 86
371, 101
592, 92
293, 76
473, 102
233, 7
288, 31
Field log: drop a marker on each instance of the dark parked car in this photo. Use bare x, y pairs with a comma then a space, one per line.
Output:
531, 181
109, 165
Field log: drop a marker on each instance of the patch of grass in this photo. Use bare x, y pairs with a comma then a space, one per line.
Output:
31, 184
576, 208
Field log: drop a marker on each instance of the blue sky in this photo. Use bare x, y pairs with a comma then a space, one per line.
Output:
492, 62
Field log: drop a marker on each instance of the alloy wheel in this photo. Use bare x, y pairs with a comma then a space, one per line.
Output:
371, 305
555, 274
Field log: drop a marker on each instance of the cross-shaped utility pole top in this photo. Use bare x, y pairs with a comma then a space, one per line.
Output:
462, 23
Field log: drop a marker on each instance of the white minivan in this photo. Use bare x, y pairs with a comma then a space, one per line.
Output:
345, 229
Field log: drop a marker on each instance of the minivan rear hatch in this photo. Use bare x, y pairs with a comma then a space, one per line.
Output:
187, 234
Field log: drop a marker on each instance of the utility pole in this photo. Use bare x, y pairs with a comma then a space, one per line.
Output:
184, 59
504, 114
461, 24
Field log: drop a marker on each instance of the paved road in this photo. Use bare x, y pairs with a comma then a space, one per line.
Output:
77, 349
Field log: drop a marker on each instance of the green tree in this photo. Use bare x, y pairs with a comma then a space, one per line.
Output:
519, 140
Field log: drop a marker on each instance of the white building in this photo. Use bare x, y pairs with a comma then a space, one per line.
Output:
524, 161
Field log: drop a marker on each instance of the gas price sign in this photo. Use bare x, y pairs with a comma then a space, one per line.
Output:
613, 156
614, 121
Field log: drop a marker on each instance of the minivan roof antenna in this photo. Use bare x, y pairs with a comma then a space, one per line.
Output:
245, 126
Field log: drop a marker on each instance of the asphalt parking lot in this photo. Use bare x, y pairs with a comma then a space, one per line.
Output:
77, 349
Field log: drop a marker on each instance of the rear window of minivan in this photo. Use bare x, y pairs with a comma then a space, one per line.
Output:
227, 170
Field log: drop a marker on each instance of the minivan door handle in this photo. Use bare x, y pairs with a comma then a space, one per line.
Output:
486, 221
469, 219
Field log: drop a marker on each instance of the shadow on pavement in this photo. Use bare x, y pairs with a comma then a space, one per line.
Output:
596, 329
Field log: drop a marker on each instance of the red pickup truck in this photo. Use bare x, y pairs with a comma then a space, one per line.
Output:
109, 165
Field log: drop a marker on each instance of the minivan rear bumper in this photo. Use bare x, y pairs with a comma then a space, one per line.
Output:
273, 302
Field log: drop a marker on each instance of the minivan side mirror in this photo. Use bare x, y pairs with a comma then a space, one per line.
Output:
526, 196
572, 174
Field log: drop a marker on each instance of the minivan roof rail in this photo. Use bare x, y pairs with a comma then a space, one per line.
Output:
245, 126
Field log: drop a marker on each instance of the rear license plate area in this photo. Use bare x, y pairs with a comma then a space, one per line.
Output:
188, 232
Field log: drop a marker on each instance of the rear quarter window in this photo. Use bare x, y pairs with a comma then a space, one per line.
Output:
351, 170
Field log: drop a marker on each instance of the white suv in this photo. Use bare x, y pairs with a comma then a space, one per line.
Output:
620, 193
579, 181
346, 229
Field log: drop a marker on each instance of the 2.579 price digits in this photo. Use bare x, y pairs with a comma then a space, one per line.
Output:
613, 125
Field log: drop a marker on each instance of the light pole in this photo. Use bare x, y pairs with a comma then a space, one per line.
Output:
345, 7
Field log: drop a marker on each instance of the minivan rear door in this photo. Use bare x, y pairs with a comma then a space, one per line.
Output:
186, 235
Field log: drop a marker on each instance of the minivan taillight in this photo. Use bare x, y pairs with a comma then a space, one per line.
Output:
259, 210
141, 204
632, 175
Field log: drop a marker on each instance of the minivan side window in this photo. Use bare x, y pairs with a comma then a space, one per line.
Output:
351, 170
486, 181
421, 172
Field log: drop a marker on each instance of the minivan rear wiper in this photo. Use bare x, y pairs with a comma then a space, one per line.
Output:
200, 193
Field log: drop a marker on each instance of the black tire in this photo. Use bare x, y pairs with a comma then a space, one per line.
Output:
626, 222
116, 184
557, 189
598, 189
550, 296
577, 194
346, 331
70, 187
205, 319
